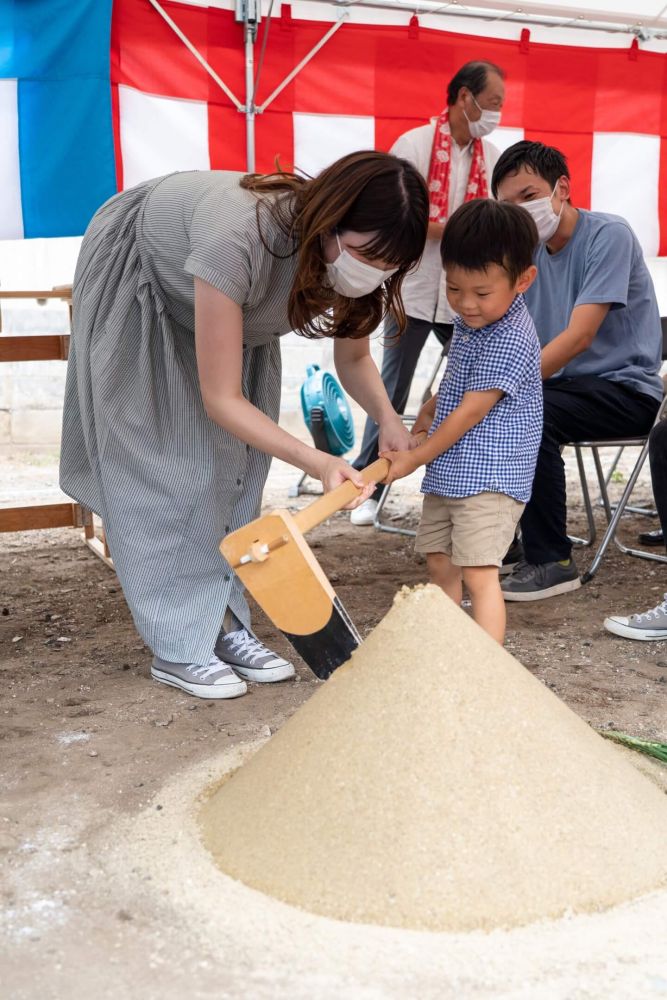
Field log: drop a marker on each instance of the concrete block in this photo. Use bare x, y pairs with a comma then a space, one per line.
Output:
39, 391
6, 388
38, 427
5, 427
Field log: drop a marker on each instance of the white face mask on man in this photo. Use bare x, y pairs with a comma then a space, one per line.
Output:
544, 217
485, 124
354, 278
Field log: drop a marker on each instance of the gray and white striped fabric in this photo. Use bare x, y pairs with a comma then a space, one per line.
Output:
138, 447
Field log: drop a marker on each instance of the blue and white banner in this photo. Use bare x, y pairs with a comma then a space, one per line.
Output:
56, 137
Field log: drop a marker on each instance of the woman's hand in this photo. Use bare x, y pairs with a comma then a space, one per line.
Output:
394, 435
335, 471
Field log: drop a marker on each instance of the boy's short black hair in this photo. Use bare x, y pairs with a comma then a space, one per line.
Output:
546, 161
483, 232
473, 75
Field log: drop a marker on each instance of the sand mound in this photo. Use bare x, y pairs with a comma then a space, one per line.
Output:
433, 783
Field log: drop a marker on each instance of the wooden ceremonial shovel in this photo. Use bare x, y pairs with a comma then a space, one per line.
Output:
275, 564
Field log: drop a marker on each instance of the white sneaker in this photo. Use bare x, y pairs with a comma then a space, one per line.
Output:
213, 680
251, 659
364, 515
646, 626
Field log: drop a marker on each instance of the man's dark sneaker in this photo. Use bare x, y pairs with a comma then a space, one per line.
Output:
513, 557
251, 659
534, 583
652, 537
648, 625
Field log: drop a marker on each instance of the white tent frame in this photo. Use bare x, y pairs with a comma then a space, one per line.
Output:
248, 12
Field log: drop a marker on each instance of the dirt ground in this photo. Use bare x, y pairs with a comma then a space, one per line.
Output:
87, 737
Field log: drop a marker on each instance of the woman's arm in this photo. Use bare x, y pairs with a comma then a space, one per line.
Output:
360, 377
219, 347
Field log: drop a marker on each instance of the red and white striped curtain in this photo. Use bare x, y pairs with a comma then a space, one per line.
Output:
605, 108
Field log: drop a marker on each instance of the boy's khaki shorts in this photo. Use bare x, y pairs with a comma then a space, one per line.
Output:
473, 531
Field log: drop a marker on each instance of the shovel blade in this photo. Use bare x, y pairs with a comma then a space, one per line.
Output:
288, 583
329, 647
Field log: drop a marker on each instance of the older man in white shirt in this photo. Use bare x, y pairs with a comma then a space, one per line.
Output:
457, 162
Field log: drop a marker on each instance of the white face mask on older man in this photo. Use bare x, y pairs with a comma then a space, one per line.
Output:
485, 124
354, 278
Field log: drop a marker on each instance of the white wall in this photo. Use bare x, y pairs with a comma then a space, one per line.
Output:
658, 269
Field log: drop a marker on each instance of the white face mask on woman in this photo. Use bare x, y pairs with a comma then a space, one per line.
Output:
354, 278
485, 123
543, 215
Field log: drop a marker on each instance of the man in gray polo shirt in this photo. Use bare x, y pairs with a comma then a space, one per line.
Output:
597, 319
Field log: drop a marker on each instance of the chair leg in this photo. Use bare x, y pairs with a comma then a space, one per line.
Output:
592, 532
639, 553
380, 525
610, 472
646, 511
602, 483
615, 517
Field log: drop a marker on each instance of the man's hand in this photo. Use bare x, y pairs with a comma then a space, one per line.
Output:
402, 464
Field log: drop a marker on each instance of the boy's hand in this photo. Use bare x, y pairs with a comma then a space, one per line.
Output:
422, 424
402, 464
425, 417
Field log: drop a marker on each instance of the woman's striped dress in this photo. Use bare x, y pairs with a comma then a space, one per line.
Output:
138, 447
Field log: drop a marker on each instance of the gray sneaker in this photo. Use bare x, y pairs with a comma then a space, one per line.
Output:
251, 659
648, 625
215, 680
534, 583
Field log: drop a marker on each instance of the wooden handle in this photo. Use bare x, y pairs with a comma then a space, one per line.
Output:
334, 501
331, 503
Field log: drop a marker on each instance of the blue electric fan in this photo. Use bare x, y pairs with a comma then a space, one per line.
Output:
327, 414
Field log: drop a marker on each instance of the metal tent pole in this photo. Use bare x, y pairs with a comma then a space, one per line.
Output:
248, 12
195, 52
342, 17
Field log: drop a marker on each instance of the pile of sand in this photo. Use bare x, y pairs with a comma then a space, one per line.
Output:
433, 783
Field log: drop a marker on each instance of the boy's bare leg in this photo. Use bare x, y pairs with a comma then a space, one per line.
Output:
445, 574
488, 606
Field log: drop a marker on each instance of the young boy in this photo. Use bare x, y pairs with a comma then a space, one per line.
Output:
485, 424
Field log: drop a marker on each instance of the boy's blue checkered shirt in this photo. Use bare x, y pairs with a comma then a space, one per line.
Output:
498, 454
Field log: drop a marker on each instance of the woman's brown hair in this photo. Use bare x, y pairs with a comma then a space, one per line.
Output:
363, 192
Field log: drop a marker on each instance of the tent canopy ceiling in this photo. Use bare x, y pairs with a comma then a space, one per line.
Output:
643, 9
338, 75
648, 19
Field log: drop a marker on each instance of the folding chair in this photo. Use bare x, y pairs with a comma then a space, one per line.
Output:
408, 420
600, 502
605, 478
614, 515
